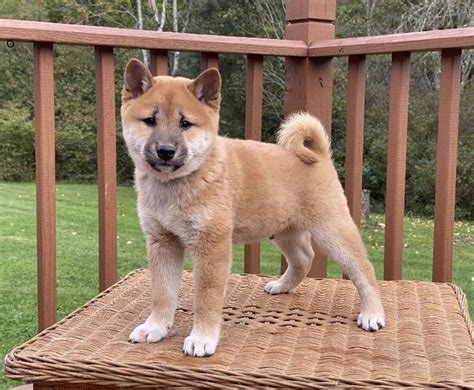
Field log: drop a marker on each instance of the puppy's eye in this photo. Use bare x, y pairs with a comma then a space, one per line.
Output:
151, 121
185, 125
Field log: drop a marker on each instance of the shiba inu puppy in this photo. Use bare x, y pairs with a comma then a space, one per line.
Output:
202, 192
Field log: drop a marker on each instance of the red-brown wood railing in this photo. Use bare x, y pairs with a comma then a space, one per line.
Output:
253, 131
308, 86
106, 165
45, 178
450, 42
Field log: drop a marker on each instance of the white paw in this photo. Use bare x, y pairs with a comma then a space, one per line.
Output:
195, 345
370, 321
148, 332
276, 287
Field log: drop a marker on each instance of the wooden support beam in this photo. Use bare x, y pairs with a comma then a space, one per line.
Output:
45, 183
391, 43
107, 175
159, 62
209, 60
396, 165
253, 131
308, 82
446, 153
355, 136
75, 34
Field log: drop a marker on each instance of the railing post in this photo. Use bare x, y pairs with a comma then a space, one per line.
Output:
45, 183
355, 136
106, 162
209, 60
446, 152
253, 131
308, 82
396, 165
159, 62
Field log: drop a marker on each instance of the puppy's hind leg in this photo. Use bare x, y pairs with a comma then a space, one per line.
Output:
296, 246
340, 238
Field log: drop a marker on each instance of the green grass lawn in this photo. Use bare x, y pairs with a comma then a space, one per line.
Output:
77, 248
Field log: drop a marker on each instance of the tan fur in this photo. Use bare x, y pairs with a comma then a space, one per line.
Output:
232, 191
304, 135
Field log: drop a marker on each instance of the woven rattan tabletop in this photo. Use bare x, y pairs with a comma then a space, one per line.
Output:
307, 338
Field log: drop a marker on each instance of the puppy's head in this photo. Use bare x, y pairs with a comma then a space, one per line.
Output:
169, 123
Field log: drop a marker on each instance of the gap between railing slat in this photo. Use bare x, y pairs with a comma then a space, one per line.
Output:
159, 62
209, 60
45, 183
446, 151
355, 136
106, 161
396, 165
253, 131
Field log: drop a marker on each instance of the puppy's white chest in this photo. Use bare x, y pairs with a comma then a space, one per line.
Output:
184, 221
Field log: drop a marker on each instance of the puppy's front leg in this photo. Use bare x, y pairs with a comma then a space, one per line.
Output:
165, 256
211, 266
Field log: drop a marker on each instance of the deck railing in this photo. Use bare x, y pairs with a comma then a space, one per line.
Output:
309, 53
451, 43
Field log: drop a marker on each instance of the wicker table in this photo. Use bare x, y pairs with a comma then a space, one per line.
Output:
307, 338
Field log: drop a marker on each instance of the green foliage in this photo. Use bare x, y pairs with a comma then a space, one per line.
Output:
17, 146
75, 155
465, 166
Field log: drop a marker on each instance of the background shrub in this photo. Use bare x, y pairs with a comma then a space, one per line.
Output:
17, 144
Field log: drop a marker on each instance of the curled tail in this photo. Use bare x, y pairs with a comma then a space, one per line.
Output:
304, 135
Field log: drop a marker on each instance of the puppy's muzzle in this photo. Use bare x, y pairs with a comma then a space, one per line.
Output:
165, 152
164, 157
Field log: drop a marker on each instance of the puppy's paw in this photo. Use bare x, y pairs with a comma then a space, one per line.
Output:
200, 346
148, 332
371, 321
276, 287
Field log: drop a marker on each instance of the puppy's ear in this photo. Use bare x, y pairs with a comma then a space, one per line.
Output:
207, 88
136, 81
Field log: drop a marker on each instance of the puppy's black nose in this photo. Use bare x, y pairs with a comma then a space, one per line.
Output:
166, 152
